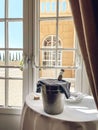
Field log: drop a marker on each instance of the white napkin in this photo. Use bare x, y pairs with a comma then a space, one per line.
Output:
75, 97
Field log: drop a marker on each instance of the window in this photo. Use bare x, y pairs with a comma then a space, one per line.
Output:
11, 50
56, 44
49, 56
14, 49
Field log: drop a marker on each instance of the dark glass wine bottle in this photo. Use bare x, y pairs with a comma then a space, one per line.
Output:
61, 74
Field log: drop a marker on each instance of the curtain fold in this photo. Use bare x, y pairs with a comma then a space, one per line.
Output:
86, 23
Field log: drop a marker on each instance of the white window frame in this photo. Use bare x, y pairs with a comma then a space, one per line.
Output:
27, 55
80, 78
6, 49
82, 83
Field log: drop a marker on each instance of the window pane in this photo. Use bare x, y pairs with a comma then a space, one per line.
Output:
47, 28
48, 8
15, 9
68, 58
2, 2
48, 58
47, 73
15, 93
64, 8
2, 37
66, 33
2, 92
15, 73
15, 58
64, 58
53, 73
2, 58
2, 72
15, 34
68, 75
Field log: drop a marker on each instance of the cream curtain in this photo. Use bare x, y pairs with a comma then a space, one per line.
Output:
85, 13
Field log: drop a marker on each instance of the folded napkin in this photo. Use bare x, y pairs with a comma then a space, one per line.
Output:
55, 85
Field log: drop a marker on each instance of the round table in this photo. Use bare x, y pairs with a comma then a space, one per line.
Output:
76, 116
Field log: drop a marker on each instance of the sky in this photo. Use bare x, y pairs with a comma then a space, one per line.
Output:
51, 6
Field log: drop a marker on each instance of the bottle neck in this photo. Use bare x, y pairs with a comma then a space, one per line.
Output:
61, 73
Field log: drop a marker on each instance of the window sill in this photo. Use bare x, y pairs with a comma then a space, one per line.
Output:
10, 111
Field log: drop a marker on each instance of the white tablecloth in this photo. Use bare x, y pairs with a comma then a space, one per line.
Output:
76, 116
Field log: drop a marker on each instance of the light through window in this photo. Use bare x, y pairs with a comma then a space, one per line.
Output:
57, 46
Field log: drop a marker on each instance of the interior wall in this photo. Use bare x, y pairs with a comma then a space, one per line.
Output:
9, 122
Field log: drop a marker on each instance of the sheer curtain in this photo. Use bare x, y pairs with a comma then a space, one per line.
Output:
86, 23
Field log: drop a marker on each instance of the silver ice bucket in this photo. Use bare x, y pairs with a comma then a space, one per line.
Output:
53, 95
